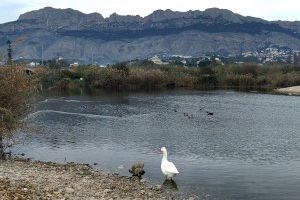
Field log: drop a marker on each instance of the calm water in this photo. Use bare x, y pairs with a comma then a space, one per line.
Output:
249, 148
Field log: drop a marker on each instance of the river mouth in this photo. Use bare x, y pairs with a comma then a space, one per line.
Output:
248, 149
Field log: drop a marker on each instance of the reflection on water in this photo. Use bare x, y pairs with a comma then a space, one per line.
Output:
169, 185
248, 149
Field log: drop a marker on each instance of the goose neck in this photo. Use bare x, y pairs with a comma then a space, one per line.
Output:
165, 156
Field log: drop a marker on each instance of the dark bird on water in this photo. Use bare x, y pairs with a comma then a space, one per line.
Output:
209, 113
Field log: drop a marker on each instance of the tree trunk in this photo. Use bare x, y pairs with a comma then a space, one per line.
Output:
1, 147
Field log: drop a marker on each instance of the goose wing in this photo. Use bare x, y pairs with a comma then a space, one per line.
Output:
170, 168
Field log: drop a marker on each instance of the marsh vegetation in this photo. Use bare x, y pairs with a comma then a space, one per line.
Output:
153, 77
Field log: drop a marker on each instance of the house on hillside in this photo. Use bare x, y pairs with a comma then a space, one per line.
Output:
157, 60
74, 65
33, 64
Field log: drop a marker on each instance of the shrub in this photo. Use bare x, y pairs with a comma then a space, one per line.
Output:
121, 67
151, 76
145, 79
154, 79
15, 90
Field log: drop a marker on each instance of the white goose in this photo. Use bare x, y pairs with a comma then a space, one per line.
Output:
167, 168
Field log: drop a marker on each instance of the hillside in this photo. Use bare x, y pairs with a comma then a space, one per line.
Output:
93, 38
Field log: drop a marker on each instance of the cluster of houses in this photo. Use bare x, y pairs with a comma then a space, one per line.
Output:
262, 56
57, 61
185, 60
273, 54
266, 55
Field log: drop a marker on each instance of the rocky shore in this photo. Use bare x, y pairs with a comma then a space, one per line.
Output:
290, 90
25, 179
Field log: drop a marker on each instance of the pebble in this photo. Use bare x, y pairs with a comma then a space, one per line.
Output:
156, 187
150, 194
107, 191
48, 180
143, 180
70, 190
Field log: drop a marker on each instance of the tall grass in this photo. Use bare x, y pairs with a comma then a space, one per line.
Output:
252, 76
153, 77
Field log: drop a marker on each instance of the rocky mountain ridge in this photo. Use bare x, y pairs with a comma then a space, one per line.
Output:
51, 32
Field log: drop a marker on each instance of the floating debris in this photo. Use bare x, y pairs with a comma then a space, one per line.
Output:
121, 167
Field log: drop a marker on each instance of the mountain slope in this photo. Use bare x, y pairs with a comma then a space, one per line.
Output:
91, 37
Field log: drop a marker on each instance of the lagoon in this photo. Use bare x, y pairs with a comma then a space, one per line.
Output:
249, 148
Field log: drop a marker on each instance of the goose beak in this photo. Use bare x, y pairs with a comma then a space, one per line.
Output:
157, 151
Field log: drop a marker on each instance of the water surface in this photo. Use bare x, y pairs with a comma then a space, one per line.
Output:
249, 148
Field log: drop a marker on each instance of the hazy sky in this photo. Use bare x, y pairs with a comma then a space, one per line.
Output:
267, 9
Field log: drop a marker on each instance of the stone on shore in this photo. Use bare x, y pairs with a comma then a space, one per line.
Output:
25, 179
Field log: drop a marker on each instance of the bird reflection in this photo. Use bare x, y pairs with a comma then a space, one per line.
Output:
170, 185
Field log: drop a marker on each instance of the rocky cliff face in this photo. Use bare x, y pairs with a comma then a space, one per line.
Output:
92, 38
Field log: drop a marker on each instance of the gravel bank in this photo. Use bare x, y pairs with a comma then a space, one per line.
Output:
290, 90
23, 179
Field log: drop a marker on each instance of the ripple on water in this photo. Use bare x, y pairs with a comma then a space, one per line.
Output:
249, 148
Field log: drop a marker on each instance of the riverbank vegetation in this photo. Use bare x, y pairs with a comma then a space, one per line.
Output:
15, 90
124, 76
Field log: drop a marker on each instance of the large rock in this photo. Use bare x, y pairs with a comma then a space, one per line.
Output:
137, 169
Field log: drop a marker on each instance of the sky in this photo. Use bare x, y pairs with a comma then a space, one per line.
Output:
266, 9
